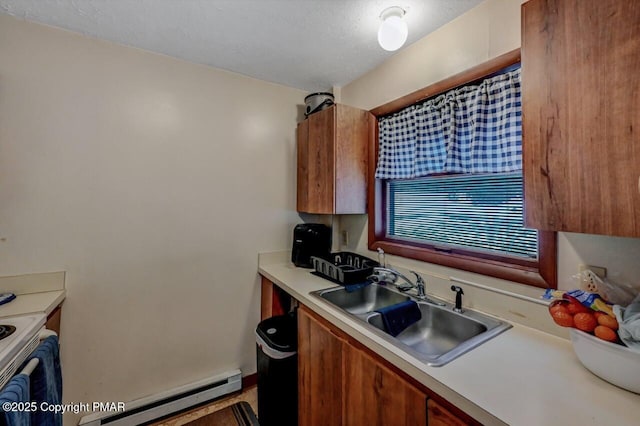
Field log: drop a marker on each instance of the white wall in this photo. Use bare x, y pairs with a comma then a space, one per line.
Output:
489, 30
154, 183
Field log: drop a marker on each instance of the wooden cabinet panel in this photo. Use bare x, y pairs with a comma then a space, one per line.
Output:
440, 416
332, 161
581, 115
321, 161
273, 300
339, 384
53, 320
302, 136
320, 369
352, 157
375, 395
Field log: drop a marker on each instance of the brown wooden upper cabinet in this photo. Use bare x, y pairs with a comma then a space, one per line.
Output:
332, 161
581, 115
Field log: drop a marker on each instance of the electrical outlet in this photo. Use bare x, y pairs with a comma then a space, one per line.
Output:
598, 270
345, 238
589, 282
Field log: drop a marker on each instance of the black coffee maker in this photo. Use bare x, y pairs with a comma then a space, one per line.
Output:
310, 239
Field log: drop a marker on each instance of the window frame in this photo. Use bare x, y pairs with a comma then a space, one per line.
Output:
539, 273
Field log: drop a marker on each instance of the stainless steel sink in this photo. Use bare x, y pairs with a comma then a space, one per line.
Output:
440, 336
363, 300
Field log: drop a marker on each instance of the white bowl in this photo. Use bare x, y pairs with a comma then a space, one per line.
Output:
614, 363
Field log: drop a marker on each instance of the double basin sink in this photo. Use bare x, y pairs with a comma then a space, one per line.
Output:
441, 334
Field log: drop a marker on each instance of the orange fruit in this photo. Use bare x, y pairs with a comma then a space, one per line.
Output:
605, 333
607, 321
585, 321
563, 319
558, 306
577, 308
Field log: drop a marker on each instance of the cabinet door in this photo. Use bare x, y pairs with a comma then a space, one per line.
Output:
316, 168
320, 367
302, 195
375, 395
440, 416
352, 158
581, 115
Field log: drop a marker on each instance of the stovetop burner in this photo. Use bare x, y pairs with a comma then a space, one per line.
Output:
6, 330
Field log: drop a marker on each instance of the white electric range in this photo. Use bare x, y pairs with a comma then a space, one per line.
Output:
21, 337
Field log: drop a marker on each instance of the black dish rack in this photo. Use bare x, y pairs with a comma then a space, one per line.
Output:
344, 267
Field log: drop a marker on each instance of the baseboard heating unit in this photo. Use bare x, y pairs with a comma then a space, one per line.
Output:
163, 404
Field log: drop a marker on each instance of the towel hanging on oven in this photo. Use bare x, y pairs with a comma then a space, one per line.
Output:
46, 381
16, 391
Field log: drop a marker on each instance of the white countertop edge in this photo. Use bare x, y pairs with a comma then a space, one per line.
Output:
523, 376
25, 304
58, 299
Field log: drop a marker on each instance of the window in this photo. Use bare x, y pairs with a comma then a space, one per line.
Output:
480, 213
470, 221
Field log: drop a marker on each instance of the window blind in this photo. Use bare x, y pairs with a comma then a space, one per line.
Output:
479, 212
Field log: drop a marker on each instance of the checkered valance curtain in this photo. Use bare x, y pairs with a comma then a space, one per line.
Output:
472, 129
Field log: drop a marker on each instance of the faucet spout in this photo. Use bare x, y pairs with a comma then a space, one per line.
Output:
390, 276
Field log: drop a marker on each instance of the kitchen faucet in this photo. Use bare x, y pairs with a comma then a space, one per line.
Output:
390, 276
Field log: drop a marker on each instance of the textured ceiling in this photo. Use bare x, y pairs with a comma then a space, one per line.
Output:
309, 44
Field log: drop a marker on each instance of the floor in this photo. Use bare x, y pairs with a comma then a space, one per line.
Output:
250, 395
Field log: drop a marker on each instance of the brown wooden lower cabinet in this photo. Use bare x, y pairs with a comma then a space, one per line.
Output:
341, 382
320, 369
437, 415
375, 395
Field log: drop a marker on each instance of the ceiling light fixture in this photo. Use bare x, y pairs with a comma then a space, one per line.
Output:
393, 30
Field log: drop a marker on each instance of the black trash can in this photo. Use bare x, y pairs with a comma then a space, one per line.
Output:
276, 348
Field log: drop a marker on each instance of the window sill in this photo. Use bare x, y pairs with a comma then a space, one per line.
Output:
533, 276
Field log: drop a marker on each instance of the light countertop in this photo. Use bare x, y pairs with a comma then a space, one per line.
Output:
36, 292
31, 303
521, 377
